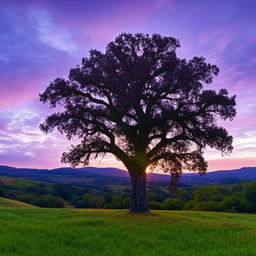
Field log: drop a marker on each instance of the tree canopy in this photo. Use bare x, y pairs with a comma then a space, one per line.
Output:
143, 104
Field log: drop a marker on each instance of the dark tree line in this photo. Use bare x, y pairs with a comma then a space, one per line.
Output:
239, 197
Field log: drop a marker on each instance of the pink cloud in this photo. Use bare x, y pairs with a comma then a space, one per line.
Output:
231, 163
14, 93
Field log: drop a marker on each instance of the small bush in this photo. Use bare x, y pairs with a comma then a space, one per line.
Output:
208, 206
173, 204
236, 203
189, 205
153, 205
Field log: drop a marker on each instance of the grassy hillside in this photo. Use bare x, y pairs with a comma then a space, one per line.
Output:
5, 202
67, 232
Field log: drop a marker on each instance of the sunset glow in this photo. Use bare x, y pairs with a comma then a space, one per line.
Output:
40, 41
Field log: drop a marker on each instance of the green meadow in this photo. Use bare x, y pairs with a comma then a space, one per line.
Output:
73, 232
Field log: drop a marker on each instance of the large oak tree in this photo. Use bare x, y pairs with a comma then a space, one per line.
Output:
141, 103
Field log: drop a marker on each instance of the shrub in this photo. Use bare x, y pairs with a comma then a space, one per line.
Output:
212, 193
126, 203
108, 206
183, 194
27, 198
157, 197
155, 205
189, 205
90, 201
250, 195
117, 203
57, 202
41, 202
208, 206
173, 204
236, 203
48, 201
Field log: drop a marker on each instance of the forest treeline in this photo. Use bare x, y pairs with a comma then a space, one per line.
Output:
239, 197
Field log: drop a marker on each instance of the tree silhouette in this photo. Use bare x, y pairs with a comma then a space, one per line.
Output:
142, 104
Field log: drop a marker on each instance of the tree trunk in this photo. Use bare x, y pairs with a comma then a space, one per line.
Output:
139, 193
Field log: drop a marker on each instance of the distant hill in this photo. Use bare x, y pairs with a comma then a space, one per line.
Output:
223, 176
5, 202
116, 176
77, 176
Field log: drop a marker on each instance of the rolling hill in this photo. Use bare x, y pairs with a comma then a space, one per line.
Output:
5, 202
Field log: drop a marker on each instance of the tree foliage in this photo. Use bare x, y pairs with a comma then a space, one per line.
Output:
143, 104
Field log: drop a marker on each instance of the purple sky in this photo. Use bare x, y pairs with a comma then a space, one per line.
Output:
42, 40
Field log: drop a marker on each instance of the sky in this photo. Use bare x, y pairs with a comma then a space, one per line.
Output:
42, 40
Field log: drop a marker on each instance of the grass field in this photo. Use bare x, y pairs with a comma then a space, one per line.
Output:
69, 232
